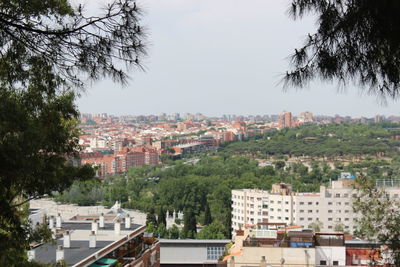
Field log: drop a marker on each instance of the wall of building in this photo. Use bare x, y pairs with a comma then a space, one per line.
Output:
274, 256
330, 255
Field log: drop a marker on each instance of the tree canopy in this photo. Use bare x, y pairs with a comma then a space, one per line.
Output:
356, 41
380, 221
48, 49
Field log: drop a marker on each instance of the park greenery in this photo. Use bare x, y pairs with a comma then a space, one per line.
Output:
327, 142
202, 189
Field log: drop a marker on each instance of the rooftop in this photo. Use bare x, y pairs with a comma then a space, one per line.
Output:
80, 235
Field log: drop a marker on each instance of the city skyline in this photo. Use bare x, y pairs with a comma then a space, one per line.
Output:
201, 61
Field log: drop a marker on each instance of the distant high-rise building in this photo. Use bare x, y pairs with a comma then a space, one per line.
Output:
286, 119
379, 118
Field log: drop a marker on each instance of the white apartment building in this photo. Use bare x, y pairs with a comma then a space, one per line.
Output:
331, 206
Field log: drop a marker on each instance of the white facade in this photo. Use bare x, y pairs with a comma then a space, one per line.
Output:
249, 206
330, 256
332, 206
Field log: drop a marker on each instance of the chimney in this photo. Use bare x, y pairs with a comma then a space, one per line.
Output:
127, 222
263, 262
51, 222
31, 255
59, 253
117, 227
67, 240
232, 262
44, 219
92, 240
102, 220
95, 226
58, 221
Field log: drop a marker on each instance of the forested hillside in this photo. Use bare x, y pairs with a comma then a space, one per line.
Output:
329, 142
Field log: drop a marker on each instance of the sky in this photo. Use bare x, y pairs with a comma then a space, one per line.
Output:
223, 57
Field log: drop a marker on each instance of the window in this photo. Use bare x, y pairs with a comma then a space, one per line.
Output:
309, 203
271, 217
279, 202
286, 218
279, 218
316, 211
335, 262
346, 211
310, 219
279, 210
301, 211
338, 211
330, 227
272, 202
346, 219
316, 203
346, 195
346, 203
271, 209
322, 262
301, 203
329, 203
301, 219
329, 211
309, 211
338, 203
214, 253
287, 202
286, 210
337, 195
330, 219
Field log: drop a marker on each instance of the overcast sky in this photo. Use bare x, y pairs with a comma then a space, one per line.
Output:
223, 57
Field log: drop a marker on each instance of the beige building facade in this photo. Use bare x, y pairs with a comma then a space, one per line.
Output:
332, 206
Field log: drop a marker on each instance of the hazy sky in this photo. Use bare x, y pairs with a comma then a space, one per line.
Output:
223, 57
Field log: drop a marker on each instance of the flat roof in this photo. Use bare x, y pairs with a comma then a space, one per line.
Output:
79, 250
79, 236
194, 241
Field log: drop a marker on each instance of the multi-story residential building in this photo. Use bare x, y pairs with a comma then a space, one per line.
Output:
332, 206
286, 119
111, 164
249, 206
